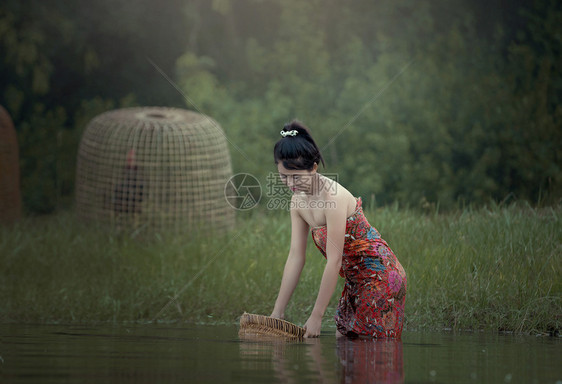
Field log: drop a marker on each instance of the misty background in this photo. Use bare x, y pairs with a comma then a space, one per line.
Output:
425, 103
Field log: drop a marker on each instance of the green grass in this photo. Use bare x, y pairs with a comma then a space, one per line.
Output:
496, 268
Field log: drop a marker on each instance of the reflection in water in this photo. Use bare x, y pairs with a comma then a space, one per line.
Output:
214, 354
288, 361
355, 360
371, 360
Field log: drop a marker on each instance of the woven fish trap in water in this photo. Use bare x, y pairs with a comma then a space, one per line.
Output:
257, 326
10, 197
154, 169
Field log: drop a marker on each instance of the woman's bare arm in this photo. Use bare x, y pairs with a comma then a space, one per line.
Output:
336, 222
294, 264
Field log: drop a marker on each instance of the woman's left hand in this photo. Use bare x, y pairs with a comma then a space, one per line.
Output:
313, 326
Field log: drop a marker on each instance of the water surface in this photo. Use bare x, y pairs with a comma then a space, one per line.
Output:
215, 354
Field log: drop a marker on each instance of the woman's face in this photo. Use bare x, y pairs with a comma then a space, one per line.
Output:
297, 180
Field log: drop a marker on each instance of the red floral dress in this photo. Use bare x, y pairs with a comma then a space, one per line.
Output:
372, 301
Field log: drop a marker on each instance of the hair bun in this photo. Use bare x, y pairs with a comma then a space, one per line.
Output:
300, 152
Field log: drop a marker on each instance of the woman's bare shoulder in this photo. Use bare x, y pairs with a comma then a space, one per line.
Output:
337, 193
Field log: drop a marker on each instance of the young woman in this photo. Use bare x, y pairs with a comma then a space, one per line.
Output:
372, 301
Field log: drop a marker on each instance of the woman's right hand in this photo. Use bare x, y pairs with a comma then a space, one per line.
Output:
276, 315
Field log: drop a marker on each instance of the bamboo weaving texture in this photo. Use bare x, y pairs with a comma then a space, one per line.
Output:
260, 325
154, 169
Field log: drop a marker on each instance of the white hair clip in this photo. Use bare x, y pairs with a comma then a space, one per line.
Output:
289, 133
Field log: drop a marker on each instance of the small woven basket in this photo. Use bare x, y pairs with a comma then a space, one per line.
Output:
257, 326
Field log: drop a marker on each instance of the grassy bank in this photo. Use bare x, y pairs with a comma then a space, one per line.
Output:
494, 268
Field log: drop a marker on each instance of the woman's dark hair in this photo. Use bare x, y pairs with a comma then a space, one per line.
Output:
298, 151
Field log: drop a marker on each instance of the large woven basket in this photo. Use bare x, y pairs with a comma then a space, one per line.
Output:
154, 169
10, 198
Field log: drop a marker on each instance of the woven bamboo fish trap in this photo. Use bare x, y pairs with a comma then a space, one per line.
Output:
154, 169
10, 198
254, 326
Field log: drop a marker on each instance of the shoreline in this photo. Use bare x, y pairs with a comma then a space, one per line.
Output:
490, 270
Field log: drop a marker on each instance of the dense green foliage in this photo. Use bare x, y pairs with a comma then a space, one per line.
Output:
496, 268
422, 102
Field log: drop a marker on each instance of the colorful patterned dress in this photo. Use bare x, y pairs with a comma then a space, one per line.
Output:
372, 301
